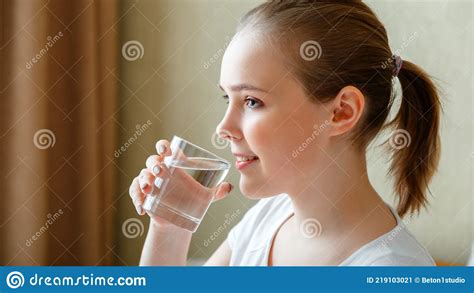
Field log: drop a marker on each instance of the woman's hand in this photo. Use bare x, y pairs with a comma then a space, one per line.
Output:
181, 186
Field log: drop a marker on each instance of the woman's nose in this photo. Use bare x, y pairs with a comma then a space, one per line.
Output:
223, 133
225, 130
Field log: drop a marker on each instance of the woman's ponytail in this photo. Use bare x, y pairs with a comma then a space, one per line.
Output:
417, 124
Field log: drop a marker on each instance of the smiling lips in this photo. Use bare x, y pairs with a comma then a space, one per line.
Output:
243, 161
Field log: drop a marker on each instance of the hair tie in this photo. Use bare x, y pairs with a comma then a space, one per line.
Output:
397, 66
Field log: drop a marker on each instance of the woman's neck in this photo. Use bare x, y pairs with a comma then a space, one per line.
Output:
338, 200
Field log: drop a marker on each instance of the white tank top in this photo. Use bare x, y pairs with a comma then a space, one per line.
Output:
251, 238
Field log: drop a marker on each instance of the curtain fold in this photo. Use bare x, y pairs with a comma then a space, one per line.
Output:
58, 132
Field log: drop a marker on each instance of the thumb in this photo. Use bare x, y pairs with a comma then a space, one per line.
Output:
222, 190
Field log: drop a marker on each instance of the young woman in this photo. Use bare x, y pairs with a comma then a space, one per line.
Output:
309, 84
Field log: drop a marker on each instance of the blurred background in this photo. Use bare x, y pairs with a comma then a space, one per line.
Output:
88, 87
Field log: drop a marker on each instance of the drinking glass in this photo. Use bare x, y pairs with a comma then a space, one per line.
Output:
184, 196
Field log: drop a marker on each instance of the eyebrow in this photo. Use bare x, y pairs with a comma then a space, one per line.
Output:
242, 87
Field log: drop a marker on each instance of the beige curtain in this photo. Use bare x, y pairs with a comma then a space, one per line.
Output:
58, 132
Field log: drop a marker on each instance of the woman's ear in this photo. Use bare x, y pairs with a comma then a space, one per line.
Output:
347, 108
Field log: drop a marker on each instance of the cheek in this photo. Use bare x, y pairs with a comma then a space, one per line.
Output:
310, 145
288, 148
268, 137
265, 178
300, 138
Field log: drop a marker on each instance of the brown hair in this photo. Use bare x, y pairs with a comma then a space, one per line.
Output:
331, 44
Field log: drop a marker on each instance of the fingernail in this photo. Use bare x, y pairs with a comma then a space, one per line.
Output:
161, 149
139, 209
156, 170
158, 182
231, 187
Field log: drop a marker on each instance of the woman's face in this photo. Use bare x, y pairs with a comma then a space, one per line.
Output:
270, 116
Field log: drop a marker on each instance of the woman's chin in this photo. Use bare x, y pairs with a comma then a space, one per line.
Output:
255, 191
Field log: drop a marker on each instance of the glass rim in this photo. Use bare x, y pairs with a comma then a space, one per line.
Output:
202, 149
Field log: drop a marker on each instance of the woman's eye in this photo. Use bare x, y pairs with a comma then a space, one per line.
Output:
252, 102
